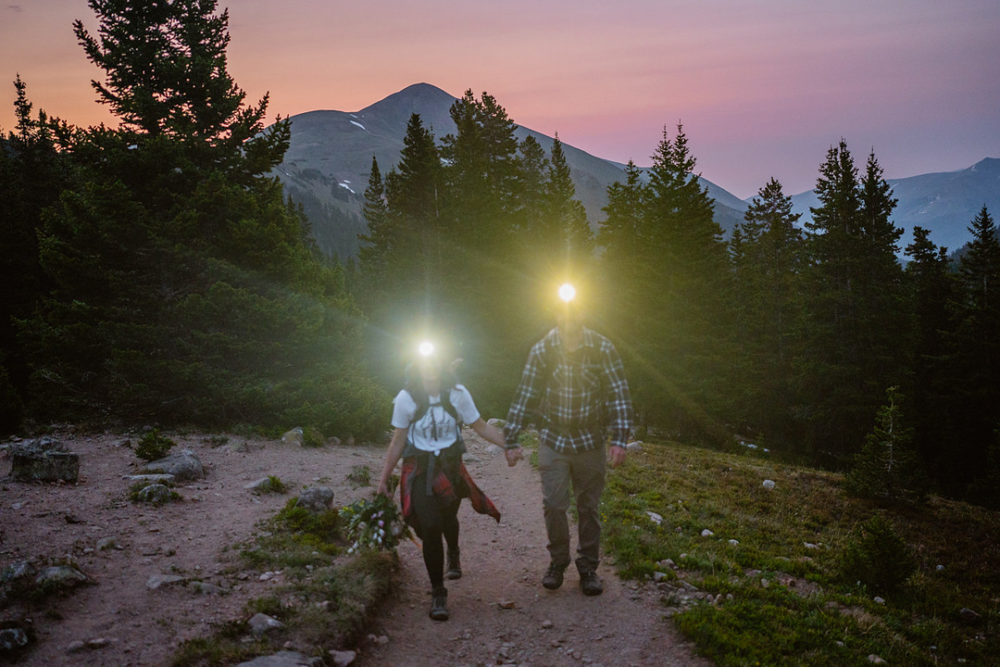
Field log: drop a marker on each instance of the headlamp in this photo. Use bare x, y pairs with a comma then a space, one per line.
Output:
567, 292
425, 348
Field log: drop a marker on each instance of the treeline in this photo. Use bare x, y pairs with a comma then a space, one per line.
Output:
154, 273
794, 337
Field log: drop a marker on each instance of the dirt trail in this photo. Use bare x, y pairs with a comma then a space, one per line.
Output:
500, 614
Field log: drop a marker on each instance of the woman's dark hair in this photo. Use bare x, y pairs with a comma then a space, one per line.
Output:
414, 385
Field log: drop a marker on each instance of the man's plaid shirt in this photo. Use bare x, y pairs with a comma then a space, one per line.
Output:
575, 397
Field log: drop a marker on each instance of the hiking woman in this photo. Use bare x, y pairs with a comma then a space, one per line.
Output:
426, 418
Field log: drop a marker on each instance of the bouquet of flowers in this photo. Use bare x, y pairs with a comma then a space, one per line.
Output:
373, 525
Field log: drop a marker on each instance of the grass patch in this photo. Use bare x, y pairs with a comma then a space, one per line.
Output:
153, 446
325, 601
767, 583
360, 475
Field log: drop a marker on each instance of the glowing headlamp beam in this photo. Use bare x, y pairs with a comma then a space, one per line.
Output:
567, 292
425, 348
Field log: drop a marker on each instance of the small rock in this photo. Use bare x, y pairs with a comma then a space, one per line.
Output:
634, 446
154, 478
654, 517
764, 583
157, 580
262, 485
659, 576
296, 436
735, 543
382, 640
506, 604
106, 543
768, 484
76, 647
547, 624
100, 642
13, 639
206, 588
968, 615
262, 623
343, 658
939, 568
875, 660
810, 545
156, 494
707, 533
62, 576
15, 571
878, 600
667, 562
316, 498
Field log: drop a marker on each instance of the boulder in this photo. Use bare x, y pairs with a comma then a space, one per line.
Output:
316, 498
184, 466
156, 494
43, 460
61, 577
262, 623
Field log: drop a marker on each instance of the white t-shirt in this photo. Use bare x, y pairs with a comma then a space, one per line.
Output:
437, 429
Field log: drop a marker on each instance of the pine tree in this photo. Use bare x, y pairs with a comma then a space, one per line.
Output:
766, 253
852, 305
184, 286
377, 243
886, 468
32, 174
932, 288
564, 234
976, 352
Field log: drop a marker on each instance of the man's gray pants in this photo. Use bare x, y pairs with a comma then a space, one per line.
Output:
585, 471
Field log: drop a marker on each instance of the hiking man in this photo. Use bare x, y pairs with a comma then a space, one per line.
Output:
574, 386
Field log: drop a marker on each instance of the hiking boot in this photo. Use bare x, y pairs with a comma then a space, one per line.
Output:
439, 604
553, 576
590, 584
454, 566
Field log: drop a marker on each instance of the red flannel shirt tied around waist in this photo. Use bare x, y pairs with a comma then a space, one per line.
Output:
577, 397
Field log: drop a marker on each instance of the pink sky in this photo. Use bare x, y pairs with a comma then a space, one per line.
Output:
763, 87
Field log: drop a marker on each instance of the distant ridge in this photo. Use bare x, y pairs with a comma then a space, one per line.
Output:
944, 203
328, 162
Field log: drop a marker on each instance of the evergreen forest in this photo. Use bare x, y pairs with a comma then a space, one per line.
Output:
155, 273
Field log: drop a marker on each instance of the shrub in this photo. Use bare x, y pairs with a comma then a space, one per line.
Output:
313, 437
877, 556
153, 446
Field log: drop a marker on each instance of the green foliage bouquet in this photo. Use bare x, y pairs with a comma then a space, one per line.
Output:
373, 525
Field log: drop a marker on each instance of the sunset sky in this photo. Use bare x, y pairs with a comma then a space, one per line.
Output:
763, 87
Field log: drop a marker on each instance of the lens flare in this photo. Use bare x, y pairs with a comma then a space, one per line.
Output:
567, 292
426, 348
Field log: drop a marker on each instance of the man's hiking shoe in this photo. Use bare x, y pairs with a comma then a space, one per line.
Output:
590, 584
439, 604
553, 577
454, 566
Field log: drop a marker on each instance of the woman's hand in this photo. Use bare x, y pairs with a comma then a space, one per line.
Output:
383, 488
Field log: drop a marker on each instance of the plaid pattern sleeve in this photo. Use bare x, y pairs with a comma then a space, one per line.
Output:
528, 395
618, 400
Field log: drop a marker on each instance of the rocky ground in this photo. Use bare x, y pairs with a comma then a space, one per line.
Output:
162, 574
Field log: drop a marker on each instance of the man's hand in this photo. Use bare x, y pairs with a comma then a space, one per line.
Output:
513, 455
616, 455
